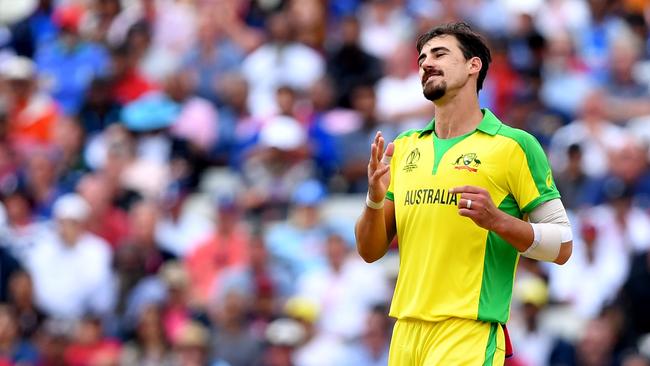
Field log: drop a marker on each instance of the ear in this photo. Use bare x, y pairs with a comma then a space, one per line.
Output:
475, 65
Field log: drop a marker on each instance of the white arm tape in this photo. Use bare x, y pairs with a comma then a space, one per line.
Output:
551, 228
372, 204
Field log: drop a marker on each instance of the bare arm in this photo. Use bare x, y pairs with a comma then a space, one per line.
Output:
374, 231
375, 228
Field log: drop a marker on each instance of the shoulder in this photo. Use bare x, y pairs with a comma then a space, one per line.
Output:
405, 135
525, 142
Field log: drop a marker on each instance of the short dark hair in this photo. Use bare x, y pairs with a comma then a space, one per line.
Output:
471, 44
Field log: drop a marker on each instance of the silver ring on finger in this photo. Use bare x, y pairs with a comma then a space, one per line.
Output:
469, 204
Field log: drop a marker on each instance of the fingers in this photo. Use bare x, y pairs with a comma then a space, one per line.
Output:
377, 151
372, 164
381, 172
380, 146
388, 154
468, 189
468, 213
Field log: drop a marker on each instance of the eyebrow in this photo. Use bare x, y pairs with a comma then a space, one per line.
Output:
433, 50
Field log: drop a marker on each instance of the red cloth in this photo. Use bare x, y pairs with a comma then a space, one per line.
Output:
209, 259
509, 350
131, 86
88, 354
114, 227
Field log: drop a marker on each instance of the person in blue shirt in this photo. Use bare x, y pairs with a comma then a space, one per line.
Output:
69, 64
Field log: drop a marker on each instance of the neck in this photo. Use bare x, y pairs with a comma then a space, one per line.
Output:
457, 115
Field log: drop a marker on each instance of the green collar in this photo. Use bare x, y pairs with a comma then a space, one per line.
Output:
490, 124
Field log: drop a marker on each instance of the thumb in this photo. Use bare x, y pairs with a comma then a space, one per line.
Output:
388, 154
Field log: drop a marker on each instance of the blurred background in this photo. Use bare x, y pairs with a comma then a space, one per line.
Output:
179, 179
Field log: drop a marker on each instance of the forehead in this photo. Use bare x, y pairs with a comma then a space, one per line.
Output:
448, 41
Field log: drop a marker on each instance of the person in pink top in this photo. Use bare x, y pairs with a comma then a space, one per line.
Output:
227, 247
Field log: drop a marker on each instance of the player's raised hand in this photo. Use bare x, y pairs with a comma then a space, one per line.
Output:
476, 203
378, 167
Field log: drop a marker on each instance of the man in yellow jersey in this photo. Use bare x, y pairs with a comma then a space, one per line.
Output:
465, 195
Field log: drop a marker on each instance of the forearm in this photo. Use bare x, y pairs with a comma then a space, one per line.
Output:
516, 232
372, 234
548, 238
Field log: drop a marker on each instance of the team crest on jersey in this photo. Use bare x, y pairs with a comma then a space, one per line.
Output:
467, 162
411, 160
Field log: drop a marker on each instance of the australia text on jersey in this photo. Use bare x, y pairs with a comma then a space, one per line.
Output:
430, 196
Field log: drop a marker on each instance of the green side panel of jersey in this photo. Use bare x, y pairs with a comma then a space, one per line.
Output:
498, 272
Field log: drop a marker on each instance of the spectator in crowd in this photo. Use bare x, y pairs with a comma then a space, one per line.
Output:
372, 348
98, 19
348, 278
29, 317
70, 63
280, 61
180, 228
299, 243
40, 179
21, 230
8, 266
565, 76
595, 273
349, 65
316, 348
214, 55
89, 345
634, 294
31, 114
572, 180
283, 337
192, 347
627, 165
98, 109
533, 343
354, 159
233, 341
68, 144
13, 348
66, 252
144, 107
149, 346
399, 98
128, 82
52, 340
276, 166
595, 135
143, 218
384, 25
225, 247
106, 220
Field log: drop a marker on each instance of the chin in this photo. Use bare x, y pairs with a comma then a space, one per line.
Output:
435, 93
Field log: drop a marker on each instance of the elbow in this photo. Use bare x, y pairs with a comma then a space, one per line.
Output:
565, 253
367, 256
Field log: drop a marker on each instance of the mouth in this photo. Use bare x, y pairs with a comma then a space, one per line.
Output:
430, 76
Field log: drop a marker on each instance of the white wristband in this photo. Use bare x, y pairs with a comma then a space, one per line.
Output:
372, 204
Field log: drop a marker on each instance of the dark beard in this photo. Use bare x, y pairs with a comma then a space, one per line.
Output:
434, 92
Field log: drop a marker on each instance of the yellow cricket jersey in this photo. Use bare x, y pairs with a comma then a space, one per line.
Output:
449, 266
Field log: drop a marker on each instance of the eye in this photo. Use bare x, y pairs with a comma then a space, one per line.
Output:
439, 54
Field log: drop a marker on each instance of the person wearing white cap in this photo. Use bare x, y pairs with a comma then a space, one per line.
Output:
72, 267
31, 114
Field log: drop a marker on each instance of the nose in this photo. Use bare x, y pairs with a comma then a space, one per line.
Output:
427, 63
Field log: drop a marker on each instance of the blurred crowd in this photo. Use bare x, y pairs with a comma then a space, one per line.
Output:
179, 179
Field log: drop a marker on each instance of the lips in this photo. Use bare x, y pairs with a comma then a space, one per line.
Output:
431, 74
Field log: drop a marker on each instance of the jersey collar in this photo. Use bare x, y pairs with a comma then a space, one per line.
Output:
490, 124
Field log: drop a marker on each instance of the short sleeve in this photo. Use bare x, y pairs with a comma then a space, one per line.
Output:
529, 176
